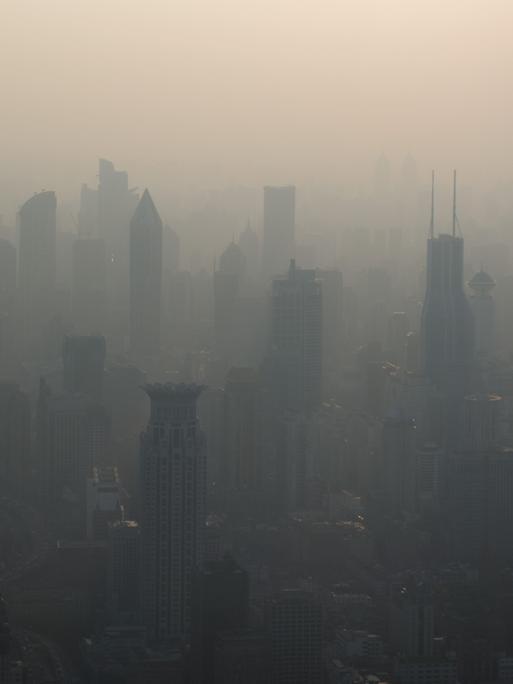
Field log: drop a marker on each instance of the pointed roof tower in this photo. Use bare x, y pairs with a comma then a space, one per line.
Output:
146, 212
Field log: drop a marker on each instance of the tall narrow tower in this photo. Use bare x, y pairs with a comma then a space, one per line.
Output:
279, 229
173, 473
447, 326
37, 259
145, 278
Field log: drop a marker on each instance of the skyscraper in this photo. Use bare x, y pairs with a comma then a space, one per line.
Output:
173, 473
89, 285
296, 339
124, 572
145, 278
116, 204
279, 229
447, 326
294, 623
483, 308
14, 438
84, 364
37, 260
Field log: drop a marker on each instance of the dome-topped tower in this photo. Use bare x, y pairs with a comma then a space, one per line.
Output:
481, 284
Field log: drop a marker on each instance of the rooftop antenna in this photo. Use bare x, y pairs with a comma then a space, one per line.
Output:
454, 204
432, 223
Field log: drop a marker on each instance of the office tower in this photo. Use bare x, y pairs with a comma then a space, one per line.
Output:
84, 365
88, 212
479, 488
241, 470
228, 280
116, 204
72, 436
5, 643
242, 656
411, 626
15, 470
173, 471
89, 285
37, 260
399, 465
171, 249
294, 624
145, 278
220, 602
7, 273
332, 325
278, 245
249, 244
447, 326
104, 504
398, 327
296, 339
483, 308
124, 573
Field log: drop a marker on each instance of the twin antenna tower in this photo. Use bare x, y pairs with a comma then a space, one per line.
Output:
455, 221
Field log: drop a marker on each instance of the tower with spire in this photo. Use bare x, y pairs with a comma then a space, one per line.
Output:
145, 278
447, 326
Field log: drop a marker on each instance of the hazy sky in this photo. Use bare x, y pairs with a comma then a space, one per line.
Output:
215, 92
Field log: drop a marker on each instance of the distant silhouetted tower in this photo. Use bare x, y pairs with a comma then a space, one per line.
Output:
279, 229
483, 308
145, 278
296, 339
294, 623
84, 364
89, 285
124, 573
37, 259
173, 473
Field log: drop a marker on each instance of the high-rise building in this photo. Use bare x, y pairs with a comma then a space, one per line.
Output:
278, 245
173, 476
89, 285
37, 260
249, 244
412, 620
296, 339
294, 623
14, 438
124, 573
447, 326
483, 308
7, 272
104, 504
145, 278
72, 434
332, 325
84, 365
399, 465
220, 602
88, 212
241, 470
116, 204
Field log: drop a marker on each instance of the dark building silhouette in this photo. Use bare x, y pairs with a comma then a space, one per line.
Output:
145, 278
37, 261
84, 365
278, 245
294, 624
124, 573
89, 285
447, 326
15, 465
220, 602
296, 339
173, 472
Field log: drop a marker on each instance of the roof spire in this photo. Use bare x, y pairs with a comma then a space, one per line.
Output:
432, 222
